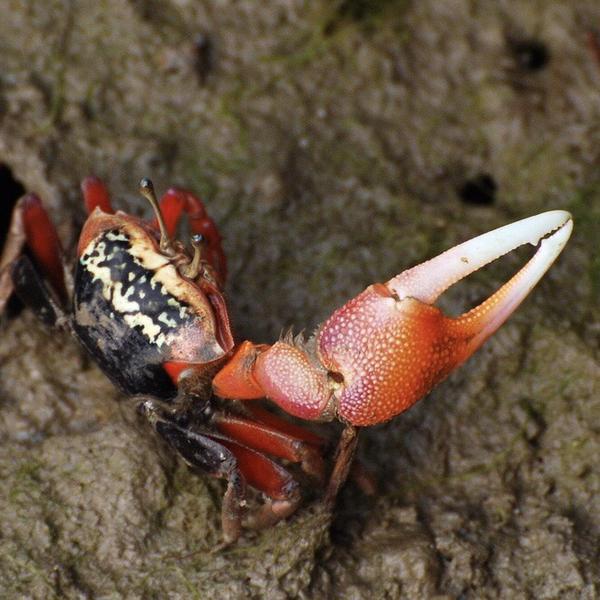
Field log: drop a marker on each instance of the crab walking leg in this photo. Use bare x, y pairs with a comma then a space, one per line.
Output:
269, 440
95, 195
281, 490
226, 458
343, 461
207, 455
31, 227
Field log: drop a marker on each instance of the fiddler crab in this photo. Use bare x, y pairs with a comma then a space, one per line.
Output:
153, 316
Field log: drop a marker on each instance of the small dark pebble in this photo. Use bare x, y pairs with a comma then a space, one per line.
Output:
530, 55
204, 57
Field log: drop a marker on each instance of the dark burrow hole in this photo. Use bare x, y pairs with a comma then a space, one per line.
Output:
11, 190
479, 190
529, 55
204, 57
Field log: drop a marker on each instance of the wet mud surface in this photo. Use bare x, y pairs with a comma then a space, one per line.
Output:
335, 144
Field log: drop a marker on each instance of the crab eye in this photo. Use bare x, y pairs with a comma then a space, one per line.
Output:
146, 183
198, 239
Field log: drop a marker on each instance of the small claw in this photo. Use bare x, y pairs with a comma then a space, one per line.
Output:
391, 346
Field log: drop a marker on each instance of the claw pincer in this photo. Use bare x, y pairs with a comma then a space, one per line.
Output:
387, 347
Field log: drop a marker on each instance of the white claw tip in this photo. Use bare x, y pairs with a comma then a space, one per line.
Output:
428, 280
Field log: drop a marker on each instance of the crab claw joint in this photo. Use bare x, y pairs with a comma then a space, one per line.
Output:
387, 347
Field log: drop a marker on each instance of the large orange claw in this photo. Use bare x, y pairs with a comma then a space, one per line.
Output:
391, 345
386, 348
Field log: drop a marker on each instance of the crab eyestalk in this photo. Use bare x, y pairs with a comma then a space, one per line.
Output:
192, 269
147, 190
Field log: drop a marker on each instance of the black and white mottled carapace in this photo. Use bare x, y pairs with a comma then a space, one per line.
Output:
134, 311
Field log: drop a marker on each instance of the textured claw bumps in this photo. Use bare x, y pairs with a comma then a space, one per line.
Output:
389, 353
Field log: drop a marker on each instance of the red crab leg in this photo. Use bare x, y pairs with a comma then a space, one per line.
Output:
174, 204
42, 240
386, 348
427, 281
359, 474
272, 420
95, 195
267, 476
269, 440
311, 443
223, 457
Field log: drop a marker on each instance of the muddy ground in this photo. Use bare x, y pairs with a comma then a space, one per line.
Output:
336, 144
